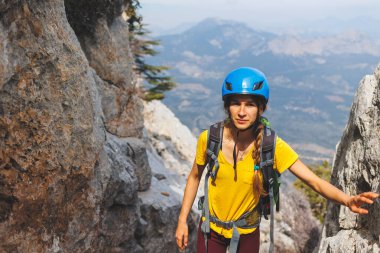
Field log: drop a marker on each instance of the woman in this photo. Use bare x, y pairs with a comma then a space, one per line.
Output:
239, 184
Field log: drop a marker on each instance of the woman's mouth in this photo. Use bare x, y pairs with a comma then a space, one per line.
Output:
241, 121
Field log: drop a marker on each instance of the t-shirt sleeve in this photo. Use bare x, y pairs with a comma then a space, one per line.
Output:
200, 156
284, 155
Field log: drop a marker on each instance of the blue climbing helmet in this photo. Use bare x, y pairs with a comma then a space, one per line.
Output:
246, 80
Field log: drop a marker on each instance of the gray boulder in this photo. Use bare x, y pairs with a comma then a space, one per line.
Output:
356, 169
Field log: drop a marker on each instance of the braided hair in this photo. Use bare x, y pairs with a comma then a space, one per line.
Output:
257, 184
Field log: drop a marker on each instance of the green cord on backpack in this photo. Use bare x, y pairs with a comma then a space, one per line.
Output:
265, 121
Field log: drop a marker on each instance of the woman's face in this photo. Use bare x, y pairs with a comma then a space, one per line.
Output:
244, 111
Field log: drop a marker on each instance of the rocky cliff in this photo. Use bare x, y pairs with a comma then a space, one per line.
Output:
72, 157
356, 169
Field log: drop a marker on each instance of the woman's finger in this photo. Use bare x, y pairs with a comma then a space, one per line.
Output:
186, 240
370, 195
179, 242
359, 210
365, 200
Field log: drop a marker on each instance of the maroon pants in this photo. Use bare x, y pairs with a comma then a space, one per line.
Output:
217, 243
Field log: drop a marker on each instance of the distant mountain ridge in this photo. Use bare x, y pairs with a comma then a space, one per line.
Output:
322, 27
312, 79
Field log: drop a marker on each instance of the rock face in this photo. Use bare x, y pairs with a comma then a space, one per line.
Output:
170, 148
51, 132
71, 155
170, 141
104, 37
356, 169
295, 229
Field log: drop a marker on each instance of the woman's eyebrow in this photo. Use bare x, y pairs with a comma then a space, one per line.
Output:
246, 101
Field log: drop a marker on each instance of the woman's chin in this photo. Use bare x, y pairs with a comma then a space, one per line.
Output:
241, 127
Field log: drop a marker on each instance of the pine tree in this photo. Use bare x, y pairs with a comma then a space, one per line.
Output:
157, 80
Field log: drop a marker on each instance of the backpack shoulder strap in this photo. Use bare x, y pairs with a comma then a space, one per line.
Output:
214, 140
214, 144
268, 145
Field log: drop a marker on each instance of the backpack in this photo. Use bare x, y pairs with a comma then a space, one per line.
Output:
271, 183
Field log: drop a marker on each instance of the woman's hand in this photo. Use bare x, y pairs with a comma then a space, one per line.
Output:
355, 202
182, 232
182, 235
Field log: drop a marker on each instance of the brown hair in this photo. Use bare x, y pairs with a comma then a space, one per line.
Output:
257, 184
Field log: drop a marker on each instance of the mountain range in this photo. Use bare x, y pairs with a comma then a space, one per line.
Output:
312, 78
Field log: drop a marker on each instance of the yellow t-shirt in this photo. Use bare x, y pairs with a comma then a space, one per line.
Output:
229, 199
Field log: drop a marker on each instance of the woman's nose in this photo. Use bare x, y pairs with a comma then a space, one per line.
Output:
242, 110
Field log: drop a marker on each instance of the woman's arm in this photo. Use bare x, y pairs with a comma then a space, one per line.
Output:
329, 191
188, 199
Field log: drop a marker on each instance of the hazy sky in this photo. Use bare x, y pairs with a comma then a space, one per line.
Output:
168, 14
